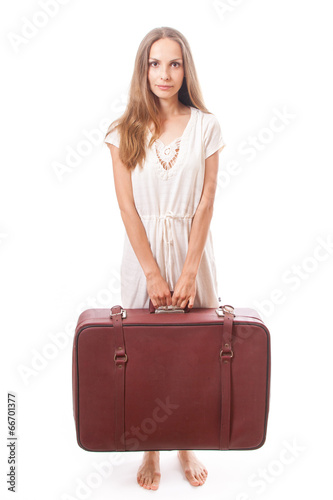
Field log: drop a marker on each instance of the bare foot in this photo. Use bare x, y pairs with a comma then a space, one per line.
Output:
194, 470
149, 471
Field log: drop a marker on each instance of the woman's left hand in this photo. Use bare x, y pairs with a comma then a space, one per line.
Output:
185, 291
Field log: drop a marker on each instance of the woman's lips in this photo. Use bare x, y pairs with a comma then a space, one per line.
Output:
164, 87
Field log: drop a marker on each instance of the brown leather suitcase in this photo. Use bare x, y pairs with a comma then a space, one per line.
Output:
171, 379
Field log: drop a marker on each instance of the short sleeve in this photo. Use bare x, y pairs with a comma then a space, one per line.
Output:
212, 136
113, 137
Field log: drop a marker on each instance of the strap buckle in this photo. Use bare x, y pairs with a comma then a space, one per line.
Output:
229, 354
122, 312
228, 309
118, 359
225, 309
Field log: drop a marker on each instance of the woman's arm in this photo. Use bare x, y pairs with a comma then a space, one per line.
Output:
131, 219
202, 218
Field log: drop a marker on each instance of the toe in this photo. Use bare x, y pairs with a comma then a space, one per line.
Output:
144, 482
193, 480
202, 477
156, 481
198, 478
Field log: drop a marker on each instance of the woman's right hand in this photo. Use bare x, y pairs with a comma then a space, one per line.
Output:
158, 290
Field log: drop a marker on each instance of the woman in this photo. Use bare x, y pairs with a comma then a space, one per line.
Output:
165, 155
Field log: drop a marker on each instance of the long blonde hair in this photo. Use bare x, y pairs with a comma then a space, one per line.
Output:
143, 105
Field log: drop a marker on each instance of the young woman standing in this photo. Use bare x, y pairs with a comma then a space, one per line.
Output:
165, 155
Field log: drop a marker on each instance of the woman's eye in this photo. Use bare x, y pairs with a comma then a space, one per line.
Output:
155, 62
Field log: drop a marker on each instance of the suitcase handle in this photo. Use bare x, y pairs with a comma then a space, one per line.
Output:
164, 309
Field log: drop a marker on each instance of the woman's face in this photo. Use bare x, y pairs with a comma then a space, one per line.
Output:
165, 68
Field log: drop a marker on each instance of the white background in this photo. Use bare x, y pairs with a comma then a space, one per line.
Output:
61, 235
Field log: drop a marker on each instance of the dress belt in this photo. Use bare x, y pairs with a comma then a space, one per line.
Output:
168, 238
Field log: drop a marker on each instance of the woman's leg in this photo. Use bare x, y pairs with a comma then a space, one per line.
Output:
149, 471
194, 470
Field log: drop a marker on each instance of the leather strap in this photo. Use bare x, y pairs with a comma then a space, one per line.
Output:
226, 355
120, 359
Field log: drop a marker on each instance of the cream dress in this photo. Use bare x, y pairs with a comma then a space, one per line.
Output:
166, 193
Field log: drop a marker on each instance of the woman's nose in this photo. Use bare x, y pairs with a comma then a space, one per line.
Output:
164, 73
